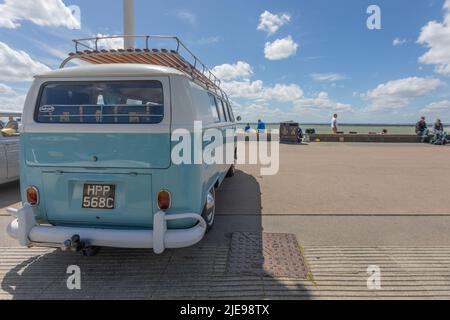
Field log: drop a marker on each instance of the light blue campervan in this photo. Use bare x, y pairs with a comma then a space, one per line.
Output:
96, 167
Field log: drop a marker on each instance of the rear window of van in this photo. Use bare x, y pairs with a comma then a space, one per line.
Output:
120, 102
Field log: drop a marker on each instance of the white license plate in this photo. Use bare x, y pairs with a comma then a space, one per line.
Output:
99, 196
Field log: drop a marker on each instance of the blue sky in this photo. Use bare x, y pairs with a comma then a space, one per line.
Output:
306, 61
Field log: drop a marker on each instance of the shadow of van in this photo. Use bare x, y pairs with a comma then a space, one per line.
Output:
199, 272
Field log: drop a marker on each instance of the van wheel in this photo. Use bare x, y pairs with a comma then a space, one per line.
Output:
209, 211
231, 171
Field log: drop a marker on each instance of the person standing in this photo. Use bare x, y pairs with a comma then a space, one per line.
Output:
261, 126
299, 135
334, 127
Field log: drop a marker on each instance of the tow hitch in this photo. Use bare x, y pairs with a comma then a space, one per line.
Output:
75, 244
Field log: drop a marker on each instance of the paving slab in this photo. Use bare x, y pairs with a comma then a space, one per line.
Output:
348, 205
345, 179
335, 273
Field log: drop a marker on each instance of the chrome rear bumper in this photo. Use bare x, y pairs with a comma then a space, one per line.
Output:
29, 233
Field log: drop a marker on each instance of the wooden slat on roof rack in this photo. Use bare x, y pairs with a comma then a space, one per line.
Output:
157, 57
163, 57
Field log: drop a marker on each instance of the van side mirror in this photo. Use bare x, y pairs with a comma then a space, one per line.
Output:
238, 118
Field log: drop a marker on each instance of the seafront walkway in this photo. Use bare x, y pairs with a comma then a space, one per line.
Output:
201, 273
316, 230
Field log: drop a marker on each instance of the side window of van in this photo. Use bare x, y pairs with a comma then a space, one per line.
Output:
202, 105
224, 111
214, 107
230, 112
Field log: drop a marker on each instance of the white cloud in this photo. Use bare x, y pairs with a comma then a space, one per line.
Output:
4, 89
253, 99
187, 16
10, 100
436, 36
328, 76
253, 112
107, 44
280, 48
270, 22
244, 89
398, 42
255, 90
12, 103
49, 13
239, 70
18, 65
317, 108
399, 93
435, 107
321, 102
284, 92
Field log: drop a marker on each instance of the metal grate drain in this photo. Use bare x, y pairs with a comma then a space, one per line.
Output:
266, 254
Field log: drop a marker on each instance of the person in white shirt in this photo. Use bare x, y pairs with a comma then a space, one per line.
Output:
334, 124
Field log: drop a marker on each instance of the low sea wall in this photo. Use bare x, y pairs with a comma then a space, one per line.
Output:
376, 138
381, 138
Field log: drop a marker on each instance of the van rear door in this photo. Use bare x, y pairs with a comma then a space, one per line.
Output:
101, 124
93, 141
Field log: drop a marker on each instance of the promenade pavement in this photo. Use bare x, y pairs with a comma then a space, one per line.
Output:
351, 207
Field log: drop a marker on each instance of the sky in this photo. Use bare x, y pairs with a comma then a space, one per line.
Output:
278, 60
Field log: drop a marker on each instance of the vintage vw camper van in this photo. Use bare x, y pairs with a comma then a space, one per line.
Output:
96, 144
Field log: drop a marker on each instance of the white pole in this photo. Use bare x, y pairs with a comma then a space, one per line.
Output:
128, 23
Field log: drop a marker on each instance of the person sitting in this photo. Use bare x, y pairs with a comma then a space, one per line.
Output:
247, 127
438, 131
261, 126
12, 124
421, 129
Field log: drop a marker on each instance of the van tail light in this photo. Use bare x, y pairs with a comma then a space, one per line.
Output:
32, 196
164, 200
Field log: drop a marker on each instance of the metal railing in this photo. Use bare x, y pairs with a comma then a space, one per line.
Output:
196, 68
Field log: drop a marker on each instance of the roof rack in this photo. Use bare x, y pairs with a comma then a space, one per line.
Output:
193, 67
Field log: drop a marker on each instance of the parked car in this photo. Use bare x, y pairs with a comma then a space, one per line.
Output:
96, 167
9, 153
